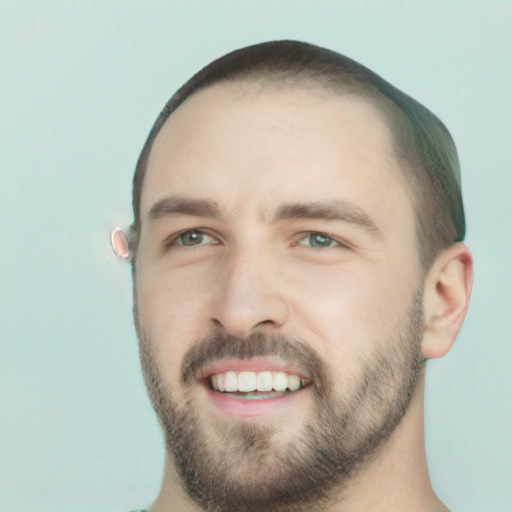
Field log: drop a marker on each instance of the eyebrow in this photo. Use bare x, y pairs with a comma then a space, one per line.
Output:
336, 210
177, 205
330, 210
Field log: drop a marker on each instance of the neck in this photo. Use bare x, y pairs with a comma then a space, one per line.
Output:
397, 479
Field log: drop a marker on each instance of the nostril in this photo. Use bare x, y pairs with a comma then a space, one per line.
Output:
216, 323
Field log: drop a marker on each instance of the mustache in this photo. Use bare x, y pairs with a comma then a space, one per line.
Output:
213, 347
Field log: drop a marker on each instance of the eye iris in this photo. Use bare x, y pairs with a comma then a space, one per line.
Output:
318, 240
191, 238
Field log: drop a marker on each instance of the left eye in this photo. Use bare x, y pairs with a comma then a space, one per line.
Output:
318, 241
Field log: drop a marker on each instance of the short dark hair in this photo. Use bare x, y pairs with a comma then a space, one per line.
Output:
423, 146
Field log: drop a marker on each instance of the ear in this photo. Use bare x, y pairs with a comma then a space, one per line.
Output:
120, 244
446, 299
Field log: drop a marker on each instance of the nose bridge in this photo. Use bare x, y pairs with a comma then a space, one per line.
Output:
248, 295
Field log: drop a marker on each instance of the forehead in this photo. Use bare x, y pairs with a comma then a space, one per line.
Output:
244, 147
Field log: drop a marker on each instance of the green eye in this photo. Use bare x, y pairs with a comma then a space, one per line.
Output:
193, 238
318, 241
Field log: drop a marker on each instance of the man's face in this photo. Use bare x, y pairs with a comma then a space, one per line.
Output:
278, 298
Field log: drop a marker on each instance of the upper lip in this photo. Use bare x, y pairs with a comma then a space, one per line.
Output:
257, 364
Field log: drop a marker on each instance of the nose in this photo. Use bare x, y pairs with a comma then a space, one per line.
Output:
249, 296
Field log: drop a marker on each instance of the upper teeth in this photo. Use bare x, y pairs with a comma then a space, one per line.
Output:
232, 381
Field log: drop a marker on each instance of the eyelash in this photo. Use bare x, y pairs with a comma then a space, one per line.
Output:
319, 234
175, 239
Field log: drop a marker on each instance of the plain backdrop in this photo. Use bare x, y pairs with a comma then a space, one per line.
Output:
80, 86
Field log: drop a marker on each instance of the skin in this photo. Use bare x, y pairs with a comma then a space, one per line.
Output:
251, 152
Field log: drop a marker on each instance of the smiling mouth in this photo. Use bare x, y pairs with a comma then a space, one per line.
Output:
252, 385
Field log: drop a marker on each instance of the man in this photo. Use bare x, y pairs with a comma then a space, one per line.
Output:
297, 256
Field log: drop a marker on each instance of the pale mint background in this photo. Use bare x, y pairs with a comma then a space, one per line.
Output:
80, 85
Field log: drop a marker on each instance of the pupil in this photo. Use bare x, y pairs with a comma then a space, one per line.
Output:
321, 241
192, 238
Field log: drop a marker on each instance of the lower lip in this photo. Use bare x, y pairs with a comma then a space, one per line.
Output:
247, 408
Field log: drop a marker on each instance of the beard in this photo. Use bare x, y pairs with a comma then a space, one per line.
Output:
234, 466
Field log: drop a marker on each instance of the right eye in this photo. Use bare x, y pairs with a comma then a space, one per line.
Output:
193, 238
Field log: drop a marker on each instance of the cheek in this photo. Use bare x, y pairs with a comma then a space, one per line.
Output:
171, 306
348, 310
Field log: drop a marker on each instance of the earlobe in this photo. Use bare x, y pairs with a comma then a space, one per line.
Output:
446, 299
